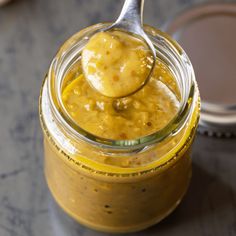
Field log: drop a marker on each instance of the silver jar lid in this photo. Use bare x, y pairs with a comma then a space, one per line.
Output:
207, 32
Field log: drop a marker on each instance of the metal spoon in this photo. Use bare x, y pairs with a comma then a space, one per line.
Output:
131, 21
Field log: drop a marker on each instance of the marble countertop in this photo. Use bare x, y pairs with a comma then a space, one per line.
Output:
30, 33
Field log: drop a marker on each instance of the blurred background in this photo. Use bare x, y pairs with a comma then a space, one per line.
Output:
31, 31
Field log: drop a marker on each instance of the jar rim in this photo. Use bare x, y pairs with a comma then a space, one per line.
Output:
174, 126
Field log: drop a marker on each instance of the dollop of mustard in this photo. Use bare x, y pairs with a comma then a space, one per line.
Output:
116, 63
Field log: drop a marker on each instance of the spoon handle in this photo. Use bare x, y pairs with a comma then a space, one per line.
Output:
132, 15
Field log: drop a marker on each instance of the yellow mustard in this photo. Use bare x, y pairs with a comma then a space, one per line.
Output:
95, 172
116, 63
143, 113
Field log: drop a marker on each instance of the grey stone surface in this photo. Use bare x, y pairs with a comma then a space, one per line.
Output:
30, 33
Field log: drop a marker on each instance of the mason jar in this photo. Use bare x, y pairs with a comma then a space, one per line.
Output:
118, 185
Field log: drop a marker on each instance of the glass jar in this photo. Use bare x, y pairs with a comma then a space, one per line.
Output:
118, 185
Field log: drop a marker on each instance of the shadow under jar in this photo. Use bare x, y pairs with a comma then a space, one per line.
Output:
118, 185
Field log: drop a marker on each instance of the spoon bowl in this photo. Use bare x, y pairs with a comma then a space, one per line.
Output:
130, 21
